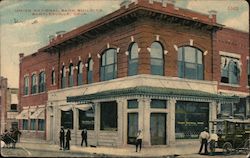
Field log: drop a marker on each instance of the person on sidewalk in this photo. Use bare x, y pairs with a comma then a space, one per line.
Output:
139, 140
62, 139
68, 138
84, 137
204, 136
15, 135
212, 142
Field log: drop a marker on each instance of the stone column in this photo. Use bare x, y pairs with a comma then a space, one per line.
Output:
171, 122
120, 121
125, 123
56, 123
212, 114
97, 121
75, 122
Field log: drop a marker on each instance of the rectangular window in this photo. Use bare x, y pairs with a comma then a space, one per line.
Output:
41, 124
132, 104
13, 107
86, 119
67, 119
32, 124
14, 125
25, 125
109, 116
160, 104
132, 127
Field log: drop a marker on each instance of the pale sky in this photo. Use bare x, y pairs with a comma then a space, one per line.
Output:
26, 24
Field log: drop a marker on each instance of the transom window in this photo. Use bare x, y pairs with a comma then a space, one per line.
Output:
133, 60
109, 65
79, 73
63, 77
26, 85
156, 59
71, 73
190, 63
90, 71
33, 84
41, 82
230, 70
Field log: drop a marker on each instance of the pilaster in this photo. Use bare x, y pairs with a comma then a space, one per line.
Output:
120, 107
75, 122
212, 114
171, 122
97, 121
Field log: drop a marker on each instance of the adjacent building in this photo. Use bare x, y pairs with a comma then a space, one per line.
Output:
149, 65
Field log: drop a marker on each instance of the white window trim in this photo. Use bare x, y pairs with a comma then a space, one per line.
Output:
228, 54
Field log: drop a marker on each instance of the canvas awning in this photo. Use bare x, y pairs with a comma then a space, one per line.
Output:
83, 107
65, 107
38, 114
23, 115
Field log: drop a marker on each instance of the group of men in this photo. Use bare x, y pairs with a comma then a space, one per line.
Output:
62, 137
205, 137
10, 137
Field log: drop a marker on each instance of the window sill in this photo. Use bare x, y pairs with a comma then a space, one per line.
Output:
229, 85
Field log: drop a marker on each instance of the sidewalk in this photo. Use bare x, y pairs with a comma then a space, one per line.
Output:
182, 148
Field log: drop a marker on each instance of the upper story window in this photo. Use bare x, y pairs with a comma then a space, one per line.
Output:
109, 65
90, 71
230, 70
133, 59
53, 77
156, 59
26, 85
63, 77
71, 73
79, 73
42, 82
13, 107
248, 71
190, 63
33, 84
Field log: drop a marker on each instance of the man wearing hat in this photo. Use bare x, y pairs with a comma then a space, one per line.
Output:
62, 139
204, 136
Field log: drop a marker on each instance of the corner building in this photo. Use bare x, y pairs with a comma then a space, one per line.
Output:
148, 65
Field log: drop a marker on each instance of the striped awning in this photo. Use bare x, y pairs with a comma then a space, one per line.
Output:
38, 114
23, 115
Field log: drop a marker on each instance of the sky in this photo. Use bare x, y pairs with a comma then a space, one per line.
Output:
25, 25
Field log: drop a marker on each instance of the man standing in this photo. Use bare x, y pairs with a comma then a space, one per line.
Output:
212, 141
62, 139
68, 138
84, 137
204, 136
139, 139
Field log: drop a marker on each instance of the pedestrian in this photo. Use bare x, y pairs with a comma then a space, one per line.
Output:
15, 135
139, 140
204, 136
213, 138
62, 139
68, 138
84, 137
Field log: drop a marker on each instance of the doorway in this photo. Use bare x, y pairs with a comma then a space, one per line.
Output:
158, 128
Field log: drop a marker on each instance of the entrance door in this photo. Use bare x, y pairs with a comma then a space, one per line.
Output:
132, 127
158, 128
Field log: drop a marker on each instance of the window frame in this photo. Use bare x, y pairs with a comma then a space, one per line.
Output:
133, 64
53, 77
26, 85
33, 84
79, 73
63, 77
159, 60
71, 75
90, 72
104, 65
42, 82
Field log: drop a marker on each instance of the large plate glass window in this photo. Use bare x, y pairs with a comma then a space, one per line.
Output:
109, 116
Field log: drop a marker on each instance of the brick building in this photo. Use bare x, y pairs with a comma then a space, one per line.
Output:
148, 65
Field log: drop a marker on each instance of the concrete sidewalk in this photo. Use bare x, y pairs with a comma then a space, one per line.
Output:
181, 148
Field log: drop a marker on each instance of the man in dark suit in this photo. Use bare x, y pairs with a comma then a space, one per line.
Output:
84, 136
62, 139
68, 138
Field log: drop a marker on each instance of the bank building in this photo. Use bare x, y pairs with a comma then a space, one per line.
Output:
149, 65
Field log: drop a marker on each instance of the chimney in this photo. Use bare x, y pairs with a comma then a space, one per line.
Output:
21, 55
212, 15
125, 3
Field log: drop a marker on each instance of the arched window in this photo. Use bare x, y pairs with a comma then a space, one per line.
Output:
41, 87
90, 71
190, 63
53, 77
156, 59
109, 65
26, 85
71, 73
133, 60
230, 70
63, 77
33, 84
79, 73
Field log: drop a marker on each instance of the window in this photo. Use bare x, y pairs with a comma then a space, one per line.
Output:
71, 73
160, 104
26, 85
63, 77
109, 116
226, 109
25, 125
133, 60
132, 104
86, 119
90, 71
156, 59
190, 63
53, 77
14, 125
32, 124
41, 82
248, 72
79, 73
132, 127
109, 65
13, 107
230, 70
67, 119
33, 84
41, 124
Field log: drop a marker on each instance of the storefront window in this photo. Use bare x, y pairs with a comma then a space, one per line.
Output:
25, 125
132, 127
226, 109
132, 104
160, 104
67, 119
86, 119
109, 116
41, 125
32, 124
190, 119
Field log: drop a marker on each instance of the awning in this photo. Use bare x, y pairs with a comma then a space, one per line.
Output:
23, 115
38, 114
65, 107
83, 107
